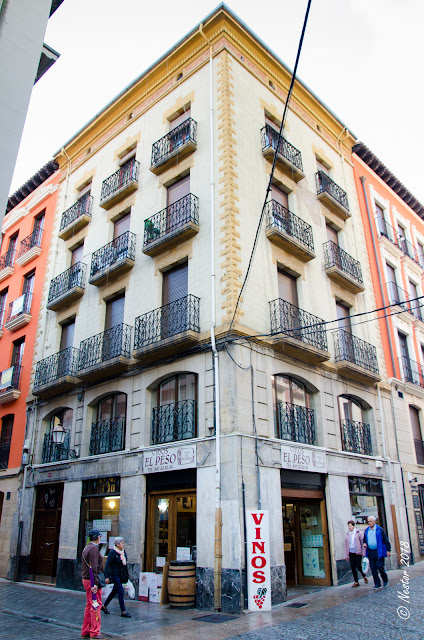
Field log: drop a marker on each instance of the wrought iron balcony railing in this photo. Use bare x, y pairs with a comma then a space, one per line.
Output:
271, 138
334, 256
295, 423
167, 321
81, 208
352, 349
10, 378
296, 323
107, 436
326, 185
56, 452
126, 174
172, 141
19, 306
356, 437
384, 229
6, 260
113, 343
411, 371
175, 421
278, 216
59, 365
69, 279
4, 455
33, 240
119, 249
171, 219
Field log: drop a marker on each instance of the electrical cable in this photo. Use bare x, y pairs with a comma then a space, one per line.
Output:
280, 138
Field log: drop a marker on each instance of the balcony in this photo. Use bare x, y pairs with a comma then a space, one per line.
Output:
400, 297
342, 268
174, 146
113, 259
355, 358
168, 329
4, 455
107, 436
57, 452
300, 334
175, 421
106, 353
19, 313
289, 232
76, 217
333, 196
120, 184
411, 371
9, 384
6, 265
67, 287
29, 248
356, 437
57, 373
295, 423
172, 225
289, 159
386, 232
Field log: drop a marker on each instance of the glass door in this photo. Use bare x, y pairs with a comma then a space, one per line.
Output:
171, 528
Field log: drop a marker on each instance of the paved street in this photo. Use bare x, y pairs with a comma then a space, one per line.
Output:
34, 612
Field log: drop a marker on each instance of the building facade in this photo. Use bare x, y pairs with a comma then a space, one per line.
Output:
25, 240
166, 439
394, 230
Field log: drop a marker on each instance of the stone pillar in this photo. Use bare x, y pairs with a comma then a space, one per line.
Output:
132, 518
270, 483
205, 536
68, 574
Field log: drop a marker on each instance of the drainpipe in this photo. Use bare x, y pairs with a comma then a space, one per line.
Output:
218, 509
380, 281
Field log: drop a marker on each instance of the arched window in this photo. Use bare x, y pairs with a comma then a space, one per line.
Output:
108, 432
175, 414
53, 452
294, 420
356, 434
5, 439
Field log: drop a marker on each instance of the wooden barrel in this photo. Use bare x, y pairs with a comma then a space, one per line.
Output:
182, 584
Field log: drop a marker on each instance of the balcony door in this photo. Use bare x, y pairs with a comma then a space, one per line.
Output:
37, 232
290, 319
174, 300
113, 336
181, 134
280, 210
345, 335
5, 440
176, 214
120, 241
417, 435
27, 290
380, 221
175, 415
108, 433
18, 352
405, 359
294, 420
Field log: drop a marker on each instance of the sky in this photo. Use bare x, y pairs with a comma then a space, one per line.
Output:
362, 58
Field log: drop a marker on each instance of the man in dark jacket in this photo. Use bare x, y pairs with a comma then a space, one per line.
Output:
377, 547
92, 559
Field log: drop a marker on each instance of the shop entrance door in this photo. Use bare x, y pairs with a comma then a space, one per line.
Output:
171, 528
45, 537
306, 541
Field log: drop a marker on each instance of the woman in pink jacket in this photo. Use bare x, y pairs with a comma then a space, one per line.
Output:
354, 550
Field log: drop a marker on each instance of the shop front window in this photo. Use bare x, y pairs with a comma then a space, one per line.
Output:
100, 510
366, 499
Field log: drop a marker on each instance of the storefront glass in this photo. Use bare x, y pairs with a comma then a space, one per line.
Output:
312, 541
366, 499
100, 512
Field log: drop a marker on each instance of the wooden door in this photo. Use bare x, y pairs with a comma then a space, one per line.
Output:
171, 524
46, 531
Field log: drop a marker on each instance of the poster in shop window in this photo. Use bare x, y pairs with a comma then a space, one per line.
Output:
258, 561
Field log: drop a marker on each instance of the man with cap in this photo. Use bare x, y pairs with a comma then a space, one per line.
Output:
92, 559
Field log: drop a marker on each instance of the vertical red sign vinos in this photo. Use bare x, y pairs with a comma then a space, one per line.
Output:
258, 561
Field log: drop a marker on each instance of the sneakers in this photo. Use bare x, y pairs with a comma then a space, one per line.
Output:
379, 587
386, 584
125, 614
365, 579
355, 584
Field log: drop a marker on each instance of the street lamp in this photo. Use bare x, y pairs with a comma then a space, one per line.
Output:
59, 434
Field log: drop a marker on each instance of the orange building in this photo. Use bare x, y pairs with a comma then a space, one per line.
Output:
25, 242
394, 230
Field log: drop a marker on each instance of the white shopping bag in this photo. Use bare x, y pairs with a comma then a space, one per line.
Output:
106, 591
365, 564
130, 589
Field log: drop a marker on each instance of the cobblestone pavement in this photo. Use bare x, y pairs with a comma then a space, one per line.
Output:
33, 612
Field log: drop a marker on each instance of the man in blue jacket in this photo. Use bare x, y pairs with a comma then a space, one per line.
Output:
377, 547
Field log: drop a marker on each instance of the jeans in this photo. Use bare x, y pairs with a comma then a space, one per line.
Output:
355, 565
377, 565
117, 589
